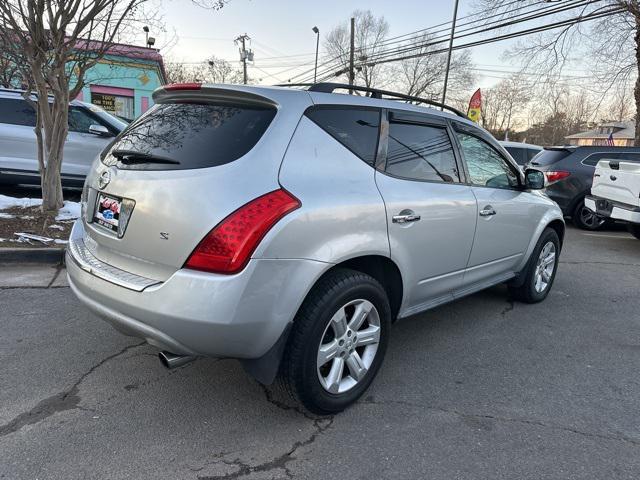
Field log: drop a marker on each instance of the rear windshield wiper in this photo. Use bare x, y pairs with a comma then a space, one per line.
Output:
131, 156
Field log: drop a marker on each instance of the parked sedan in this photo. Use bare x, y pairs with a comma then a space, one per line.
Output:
569, 173
90, 130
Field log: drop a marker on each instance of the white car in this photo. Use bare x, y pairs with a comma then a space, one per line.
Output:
616, 192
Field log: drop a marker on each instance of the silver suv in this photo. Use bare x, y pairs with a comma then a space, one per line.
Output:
289, 228
91, 129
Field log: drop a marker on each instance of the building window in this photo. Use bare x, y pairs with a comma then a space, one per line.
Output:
119, 105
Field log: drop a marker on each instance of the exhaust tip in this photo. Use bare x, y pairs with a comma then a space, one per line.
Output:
171, 360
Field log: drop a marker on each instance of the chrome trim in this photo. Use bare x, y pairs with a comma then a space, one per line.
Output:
81, 255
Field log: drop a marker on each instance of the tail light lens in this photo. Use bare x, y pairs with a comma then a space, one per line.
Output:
553, 176
228, 247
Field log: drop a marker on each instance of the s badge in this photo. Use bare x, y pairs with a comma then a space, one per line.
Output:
164, 235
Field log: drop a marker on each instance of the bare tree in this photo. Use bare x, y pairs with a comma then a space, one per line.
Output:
213, 70
370, 32
503, 105
611, 39
55, 43
424, 74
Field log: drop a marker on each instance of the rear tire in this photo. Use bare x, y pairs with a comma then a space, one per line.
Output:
326, 329
540, 270
634, 229
586, 219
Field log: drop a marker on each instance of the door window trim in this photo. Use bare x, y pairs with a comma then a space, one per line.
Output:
412, 118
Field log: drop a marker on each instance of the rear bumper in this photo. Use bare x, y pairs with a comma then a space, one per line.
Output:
615, 210
195, 313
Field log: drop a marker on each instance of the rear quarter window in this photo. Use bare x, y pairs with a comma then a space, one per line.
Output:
192, 135
355, 128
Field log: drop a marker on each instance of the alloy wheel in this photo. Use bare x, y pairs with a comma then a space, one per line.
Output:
544, 267
348, 346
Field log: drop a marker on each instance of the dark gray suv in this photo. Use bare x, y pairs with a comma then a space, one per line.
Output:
569, 172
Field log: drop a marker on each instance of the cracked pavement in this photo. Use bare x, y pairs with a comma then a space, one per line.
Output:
482, 388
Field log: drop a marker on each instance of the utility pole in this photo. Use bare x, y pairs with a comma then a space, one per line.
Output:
453, 31
244, 54
351, 53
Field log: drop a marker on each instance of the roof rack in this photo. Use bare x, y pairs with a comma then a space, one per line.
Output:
328, 87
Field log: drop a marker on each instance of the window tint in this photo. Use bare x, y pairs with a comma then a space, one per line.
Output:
17, 112
548, 157
531, 153
79, 120
189, 135
486, 166
518, 154
421, 152
356, 129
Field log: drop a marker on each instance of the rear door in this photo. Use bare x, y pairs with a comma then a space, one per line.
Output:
431, 213
507, 215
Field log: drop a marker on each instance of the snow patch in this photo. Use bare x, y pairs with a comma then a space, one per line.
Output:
56, 227
69, 211
6, 215
10, 202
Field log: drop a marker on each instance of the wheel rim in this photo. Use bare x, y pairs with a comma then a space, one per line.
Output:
348, 346
544, 267
589, 218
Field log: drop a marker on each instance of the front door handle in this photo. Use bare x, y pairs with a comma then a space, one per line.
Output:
487, 211
405, 218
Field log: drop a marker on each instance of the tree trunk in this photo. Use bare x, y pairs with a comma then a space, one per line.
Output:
55, 133
636, 91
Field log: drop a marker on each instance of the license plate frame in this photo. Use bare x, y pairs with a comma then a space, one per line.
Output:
107, 212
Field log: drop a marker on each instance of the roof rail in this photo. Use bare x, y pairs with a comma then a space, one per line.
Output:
328, 87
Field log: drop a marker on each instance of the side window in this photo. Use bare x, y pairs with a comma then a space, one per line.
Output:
17, 112
79, 120
355, 128
518, 154
486, 166
531, 153
421, 152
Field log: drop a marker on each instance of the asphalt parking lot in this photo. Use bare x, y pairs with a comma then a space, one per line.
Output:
482, 388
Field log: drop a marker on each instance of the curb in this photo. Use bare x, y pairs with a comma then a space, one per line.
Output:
53, 256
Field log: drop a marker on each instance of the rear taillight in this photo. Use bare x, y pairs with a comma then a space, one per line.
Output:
228, 247
553, 176
183, 86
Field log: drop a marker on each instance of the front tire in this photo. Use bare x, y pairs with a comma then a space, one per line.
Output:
634, 229
540, 271
338, 341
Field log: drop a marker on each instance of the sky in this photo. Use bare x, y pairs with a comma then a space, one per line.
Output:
282, 28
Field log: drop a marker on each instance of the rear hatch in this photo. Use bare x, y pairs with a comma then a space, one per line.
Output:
548, 156
199, 154
618, 181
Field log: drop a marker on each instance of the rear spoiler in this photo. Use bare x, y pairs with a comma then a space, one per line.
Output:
204, 93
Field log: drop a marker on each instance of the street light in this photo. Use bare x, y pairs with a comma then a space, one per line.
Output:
146, 35
315, 70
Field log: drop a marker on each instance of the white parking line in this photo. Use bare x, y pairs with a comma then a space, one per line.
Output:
623, 236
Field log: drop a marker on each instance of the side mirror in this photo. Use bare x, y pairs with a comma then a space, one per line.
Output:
533, 179
100, 130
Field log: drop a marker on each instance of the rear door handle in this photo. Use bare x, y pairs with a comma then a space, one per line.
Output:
487, 211
410, 217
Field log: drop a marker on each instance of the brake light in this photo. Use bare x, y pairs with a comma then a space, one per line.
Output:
183, 86
228, 247
554, 176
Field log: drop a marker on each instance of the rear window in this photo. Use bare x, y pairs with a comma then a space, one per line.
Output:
180, 136
547, 157
518, 154
17, 112
355, 128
